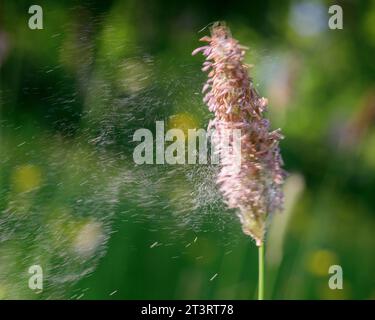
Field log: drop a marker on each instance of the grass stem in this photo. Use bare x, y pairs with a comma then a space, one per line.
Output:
261, 272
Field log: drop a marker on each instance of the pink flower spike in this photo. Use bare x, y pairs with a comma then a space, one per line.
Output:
255, 189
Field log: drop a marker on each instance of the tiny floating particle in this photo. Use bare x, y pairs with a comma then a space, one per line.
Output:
112, 293
80, 296
213, 277
154, 244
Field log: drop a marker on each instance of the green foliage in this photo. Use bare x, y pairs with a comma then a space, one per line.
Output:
71, 199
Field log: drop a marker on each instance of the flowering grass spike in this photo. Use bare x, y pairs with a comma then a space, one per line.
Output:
255, 189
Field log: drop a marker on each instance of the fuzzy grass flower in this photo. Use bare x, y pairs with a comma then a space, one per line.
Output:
255, 189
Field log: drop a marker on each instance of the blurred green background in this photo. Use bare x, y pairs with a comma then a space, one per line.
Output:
73, 202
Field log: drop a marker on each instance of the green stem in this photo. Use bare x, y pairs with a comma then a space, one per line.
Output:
261, 272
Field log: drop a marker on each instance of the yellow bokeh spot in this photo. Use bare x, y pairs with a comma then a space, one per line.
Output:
26, 178
182, 121
319, 261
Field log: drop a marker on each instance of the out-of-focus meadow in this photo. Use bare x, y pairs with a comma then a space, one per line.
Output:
73, 201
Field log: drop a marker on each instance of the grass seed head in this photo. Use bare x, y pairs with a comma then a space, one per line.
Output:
255, 189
